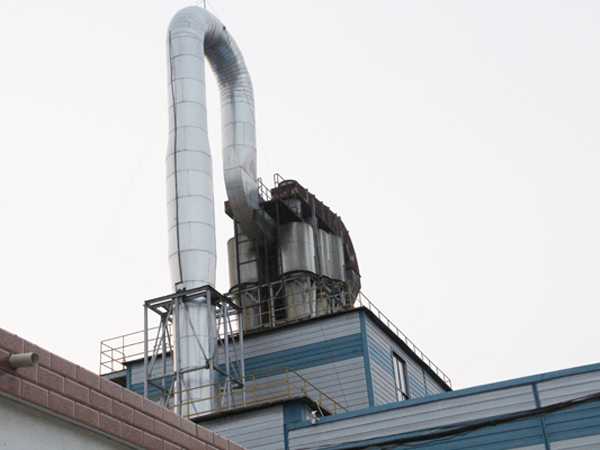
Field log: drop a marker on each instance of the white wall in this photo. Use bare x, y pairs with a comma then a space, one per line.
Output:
25, 428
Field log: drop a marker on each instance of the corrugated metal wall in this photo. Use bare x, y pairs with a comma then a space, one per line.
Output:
418, 417
262, 429
330, 354
574, 428
307, 333
135, 376
577, 428
381, 349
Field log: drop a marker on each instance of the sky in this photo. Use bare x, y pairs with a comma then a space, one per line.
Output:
458, 140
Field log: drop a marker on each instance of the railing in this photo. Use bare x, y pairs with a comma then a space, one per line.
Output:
263, 191
321, 300
265, 387
362, 300
117, 351
316, 300
277, 179
309, 299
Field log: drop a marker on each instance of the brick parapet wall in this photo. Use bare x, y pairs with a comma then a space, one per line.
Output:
77, 395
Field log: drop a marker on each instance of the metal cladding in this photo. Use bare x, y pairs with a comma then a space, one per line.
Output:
304, 255
253, 311
194, 34
247, 276
247, 260
300, 298
297, 247
331, 252
327, 219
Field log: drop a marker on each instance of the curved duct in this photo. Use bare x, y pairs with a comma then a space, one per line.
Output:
194, 34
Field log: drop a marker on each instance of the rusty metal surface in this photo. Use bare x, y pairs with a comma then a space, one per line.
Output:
328, 220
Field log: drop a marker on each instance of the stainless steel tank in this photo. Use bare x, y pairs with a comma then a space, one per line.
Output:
324, 253
336, 262
246, 294
247, 259
300, 297
297, 245
331, 252
252, 315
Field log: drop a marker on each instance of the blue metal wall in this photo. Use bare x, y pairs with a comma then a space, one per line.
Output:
347, 356
381, 349
521, 403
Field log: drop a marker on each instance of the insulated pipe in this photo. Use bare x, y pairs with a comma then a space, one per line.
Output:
194, 34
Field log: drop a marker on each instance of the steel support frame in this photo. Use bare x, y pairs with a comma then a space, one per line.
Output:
229, 336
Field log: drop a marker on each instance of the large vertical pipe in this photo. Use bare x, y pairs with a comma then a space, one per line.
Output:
190, 203
193, 34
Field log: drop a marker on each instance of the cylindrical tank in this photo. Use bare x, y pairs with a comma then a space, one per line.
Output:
300, 297
324, 253
297, 244
248, 261
331, 251
336, 251
248, 279
252, 308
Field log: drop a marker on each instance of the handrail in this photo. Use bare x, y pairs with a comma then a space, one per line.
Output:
339, 296
346, 298
362, 300
276, 384
263, 191
117, 351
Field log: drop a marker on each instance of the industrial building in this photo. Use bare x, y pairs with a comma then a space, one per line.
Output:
293, 356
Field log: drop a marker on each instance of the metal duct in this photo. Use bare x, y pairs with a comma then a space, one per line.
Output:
193, 34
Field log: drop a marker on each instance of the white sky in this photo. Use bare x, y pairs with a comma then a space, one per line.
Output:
458, 140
